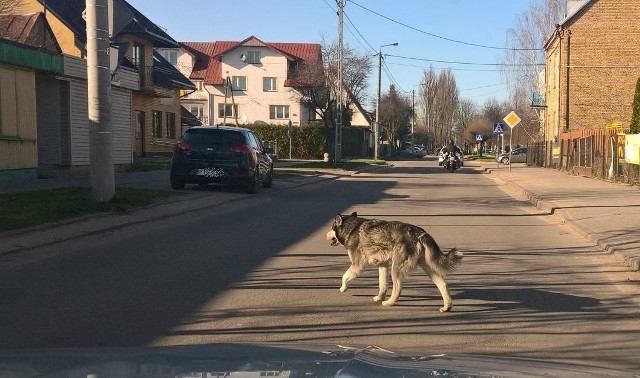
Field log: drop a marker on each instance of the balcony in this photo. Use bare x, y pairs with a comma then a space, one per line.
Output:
538, 100
151, 81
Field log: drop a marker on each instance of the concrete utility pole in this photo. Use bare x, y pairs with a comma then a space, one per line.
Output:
338, 137
101, 171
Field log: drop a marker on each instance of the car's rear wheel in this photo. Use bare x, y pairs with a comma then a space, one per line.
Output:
177, 183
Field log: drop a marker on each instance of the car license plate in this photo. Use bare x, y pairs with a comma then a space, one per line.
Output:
210, 172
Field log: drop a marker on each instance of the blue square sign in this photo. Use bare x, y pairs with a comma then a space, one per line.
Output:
498, 128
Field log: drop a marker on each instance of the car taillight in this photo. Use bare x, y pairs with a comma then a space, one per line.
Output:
240, 149
183, 146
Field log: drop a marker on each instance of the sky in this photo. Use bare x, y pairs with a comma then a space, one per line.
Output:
439, 33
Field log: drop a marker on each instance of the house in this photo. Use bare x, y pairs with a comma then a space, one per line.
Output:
147, 120
591, 67
244, 82
29, 55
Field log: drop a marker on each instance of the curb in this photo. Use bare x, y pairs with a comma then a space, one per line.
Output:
589, 234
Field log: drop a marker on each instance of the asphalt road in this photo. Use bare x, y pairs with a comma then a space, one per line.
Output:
260, 270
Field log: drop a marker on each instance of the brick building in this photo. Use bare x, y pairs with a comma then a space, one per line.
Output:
592, 65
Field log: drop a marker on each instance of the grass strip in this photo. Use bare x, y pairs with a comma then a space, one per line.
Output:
26, 209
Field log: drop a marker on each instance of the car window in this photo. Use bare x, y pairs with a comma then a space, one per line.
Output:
253, 141
213, 137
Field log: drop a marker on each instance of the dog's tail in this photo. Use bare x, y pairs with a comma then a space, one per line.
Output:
438, 260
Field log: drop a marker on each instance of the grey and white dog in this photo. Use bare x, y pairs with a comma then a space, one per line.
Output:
391, 244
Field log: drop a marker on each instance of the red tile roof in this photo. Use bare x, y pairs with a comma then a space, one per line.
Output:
208, 55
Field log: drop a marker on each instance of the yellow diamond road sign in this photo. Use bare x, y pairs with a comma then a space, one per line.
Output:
512, 119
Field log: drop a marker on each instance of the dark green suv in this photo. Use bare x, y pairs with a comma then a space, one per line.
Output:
221, 155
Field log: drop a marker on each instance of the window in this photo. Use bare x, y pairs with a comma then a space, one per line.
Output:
239, 83
138, 56
253, 57
171, 56
196, 109
171, 125
228, 110
279, 112
269, 84
198, 84
157, 124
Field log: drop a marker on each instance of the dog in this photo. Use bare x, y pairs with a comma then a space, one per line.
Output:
391, 244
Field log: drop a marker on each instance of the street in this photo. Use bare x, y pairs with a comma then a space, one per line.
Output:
259, 270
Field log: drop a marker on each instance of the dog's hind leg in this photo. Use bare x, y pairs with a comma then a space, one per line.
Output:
442, 286
396, 279
383, 272
349, 275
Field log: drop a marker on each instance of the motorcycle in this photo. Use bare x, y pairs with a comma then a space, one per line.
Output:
451, 162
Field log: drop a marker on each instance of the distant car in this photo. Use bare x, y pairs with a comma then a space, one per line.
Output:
221, 155
518, 155
415, 152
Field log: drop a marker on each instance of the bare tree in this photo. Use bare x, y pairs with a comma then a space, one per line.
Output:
317, 82
395, 115
523, 63
446, 103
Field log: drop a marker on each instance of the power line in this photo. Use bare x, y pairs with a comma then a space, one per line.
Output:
439, 36
466, 63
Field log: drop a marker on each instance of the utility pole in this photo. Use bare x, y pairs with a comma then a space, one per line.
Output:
376, 130
413, 114
101, 171
338, 137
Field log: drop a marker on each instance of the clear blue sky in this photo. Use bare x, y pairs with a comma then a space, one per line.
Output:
480, 22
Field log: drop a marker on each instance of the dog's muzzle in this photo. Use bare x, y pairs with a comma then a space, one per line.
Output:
331, 235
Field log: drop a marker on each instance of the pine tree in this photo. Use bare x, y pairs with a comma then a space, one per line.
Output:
635, 118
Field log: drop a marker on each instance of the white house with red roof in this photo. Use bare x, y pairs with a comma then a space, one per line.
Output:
244, 82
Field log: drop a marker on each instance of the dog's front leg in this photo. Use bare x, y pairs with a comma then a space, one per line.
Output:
349, 275
396, 280
382, 283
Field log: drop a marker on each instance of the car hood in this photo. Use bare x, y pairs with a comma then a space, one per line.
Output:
283, 360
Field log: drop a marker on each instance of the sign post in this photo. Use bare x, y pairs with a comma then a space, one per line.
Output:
512, 120
498, 128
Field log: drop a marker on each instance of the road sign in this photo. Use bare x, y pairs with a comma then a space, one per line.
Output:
498, 128
512, 119
478, 137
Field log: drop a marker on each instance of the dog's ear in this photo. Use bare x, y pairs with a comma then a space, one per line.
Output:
354, 214
338, 220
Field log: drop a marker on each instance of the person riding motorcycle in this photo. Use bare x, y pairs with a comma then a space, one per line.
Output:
451, 148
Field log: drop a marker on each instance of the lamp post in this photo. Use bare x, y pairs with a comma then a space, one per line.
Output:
377, 124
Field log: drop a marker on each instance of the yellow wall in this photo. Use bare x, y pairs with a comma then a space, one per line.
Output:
63, 35
18, 126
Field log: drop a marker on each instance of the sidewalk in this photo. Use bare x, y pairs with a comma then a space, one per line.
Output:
605, 213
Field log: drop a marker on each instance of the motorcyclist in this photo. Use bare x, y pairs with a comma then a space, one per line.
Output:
451, 148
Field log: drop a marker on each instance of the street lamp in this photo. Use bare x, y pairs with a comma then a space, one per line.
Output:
376, 129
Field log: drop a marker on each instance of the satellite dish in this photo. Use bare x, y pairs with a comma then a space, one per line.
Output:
243, 58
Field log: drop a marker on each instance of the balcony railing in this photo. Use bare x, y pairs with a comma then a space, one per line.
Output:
538, 100
149, 80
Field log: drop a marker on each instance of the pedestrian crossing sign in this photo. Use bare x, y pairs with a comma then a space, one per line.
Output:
498, 128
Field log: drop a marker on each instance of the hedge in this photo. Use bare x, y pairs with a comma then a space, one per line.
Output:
309, 141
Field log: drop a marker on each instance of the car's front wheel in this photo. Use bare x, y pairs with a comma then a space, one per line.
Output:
505, 160
177, 183
268, 182
252, 184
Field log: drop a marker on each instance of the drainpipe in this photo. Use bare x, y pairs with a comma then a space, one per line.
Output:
566, 115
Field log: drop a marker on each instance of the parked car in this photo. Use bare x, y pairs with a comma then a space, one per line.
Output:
415, 152
221, 155
518, 155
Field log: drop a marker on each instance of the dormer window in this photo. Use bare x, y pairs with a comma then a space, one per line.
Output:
253, 57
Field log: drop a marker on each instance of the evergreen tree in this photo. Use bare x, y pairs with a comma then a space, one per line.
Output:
635, 118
